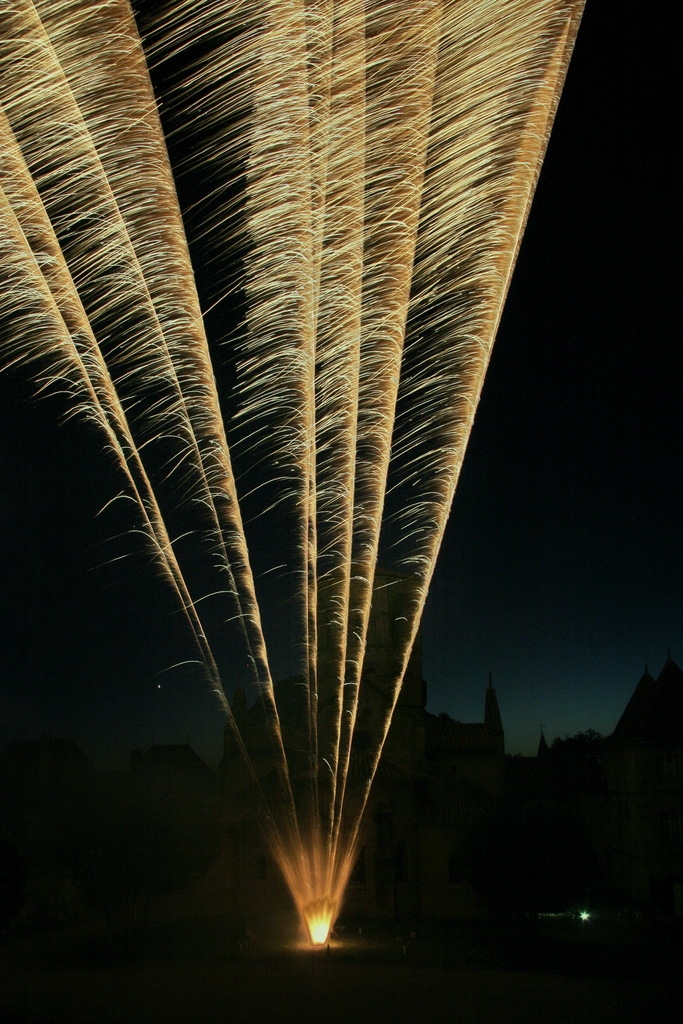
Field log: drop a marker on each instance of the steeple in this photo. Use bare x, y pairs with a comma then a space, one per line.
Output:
492, 717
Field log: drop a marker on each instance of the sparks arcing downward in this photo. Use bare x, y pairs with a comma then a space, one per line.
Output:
369, 168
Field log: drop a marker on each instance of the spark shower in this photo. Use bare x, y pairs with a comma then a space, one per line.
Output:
360, 175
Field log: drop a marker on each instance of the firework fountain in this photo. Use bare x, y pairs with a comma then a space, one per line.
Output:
362, 176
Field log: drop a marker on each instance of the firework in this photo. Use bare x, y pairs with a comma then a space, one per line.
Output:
366, 173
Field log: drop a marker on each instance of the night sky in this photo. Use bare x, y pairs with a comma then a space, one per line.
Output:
561, 572
562, 566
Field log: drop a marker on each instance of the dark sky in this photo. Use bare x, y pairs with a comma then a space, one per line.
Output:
561, 571
562, 566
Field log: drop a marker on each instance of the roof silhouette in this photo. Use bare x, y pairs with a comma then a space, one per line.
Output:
444, 736
655, 710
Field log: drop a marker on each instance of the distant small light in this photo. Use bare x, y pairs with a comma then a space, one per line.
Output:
584, 915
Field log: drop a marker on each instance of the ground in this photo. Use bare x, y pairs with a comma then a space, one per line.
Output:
196, 973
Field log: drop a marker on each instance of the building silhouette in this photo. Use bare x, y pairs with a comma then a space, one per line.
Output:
608, 811
436, 779
645, 793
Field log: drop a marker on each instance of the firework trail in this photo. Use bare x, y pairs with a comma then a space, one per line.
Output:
366, 173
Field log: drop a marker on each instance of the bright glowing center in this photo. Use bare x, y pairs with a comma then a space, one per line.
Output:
318, 916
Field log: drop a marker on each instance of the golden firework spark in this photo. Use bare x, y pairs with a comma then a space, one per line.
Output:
370, 168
